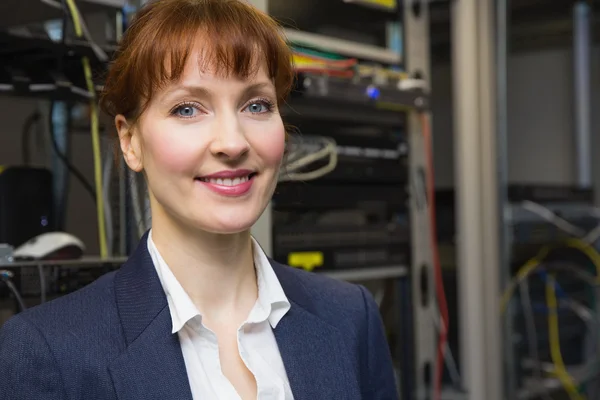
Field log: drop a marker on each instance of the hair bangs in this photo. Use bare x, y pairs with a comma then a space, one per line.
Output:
230, 37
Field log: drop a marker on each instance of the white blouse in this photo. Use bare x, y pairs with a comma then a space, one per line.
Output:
256, 342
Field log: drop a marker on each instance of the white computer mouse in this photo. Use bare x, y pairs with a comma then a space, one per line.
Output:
51, 246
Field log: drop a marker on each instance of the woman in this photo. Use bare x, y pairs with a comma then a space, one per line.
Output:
198, 311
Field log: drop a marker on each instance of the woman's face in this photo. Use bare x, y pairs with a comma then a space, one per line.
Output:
210, 147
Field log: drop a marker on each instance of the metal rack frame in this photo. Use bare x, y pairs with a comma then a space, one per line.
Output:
479, 52
417, 63
479, 76
415, 284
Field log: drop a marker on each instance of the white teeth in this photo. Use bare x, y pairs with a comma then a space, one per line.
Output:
227, 181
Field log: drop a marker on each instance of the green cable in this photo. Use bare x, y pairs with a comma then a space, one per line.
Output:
317, 53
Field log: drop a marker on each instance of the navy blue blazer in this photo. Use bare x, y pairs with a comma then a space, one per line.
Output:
112, 340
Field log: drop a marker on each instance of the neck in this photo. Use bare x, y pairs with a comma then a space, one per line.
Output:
215, 270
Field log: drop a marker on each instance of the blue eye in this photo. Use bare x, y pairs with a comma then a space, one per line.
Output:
256, 108
185, 111
259, 107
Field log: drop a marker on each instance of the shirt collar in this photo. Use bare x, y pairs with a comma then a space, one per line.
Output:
271, 296
180, 305
272, 303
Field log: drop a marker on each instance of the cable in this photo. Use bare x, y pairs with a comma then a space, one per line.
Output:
95, 132
26, 135
441, 295
554, 337
580, 273
100, 54
295, 161
588, 250
586, 314
63, 158
531, 334
591, 237
448, 356
63, 125
106, 186
535, 262
551, 217
122, 206
138, 215
43, 288
5, 276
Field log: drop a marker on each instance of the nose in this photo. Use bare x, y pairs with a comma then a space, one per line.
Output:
229, 139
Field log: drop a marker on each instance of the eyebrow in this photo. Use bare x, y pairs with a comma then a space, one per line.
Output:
199, 90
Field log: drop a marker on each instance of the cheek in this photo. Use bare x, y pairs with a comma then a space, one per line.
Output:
171, 153
270, 145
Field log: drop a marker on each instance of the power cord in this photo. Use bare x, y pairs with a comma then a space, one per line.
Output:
544, 212
63, 158
437, 268
6, 277
532, 338
30, 123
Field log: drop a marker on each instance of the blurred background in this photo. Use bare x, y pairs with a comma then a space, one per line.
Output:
442, 155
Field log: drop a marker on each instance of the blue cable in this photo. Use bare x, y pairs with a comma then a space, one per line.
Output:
560, 293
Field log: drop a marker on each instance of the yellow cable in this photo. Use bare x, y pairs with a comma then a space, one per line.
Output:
589, 251
554, 336
523, 272
94, 120
97, 158
75, 15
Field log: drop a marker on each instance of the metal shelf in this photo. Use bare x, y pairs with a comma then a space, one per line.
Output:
81, 262
366, 274
358, 274
33, 65
343, 47
21, 12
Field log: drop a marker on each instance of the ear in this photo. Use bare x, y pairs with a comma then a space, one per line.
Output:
130, 143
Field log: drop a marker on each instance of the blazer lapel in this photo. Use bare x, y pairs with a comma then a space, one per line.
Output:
152, 365
316, 360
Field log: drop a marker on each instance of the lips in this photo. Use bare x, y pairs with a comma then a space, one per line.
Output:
230, 183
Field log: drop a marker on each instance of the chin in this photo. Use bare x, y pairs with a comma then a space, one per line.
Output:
226, 223
223, 228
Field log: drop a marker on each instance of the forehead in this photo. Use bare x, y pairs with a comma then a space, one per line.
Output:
205, 62
203, 66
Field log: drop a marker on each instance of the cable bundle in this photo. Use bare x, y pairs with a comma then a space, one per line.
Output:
314, 61
304, 152
556, 298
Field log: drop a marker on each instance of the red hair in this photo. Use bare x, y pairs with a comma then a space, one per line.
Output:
156, 46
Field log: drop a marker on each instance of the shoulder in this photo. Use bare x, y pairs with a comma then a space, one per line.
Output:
352, 310
328, 298
53, 350
78, 315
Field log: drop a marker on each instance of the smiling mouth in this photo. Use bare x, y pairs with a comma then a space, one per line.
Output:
228, 181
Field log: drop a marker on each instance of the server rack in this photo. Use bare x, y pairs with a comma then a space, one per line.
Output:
414, 283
